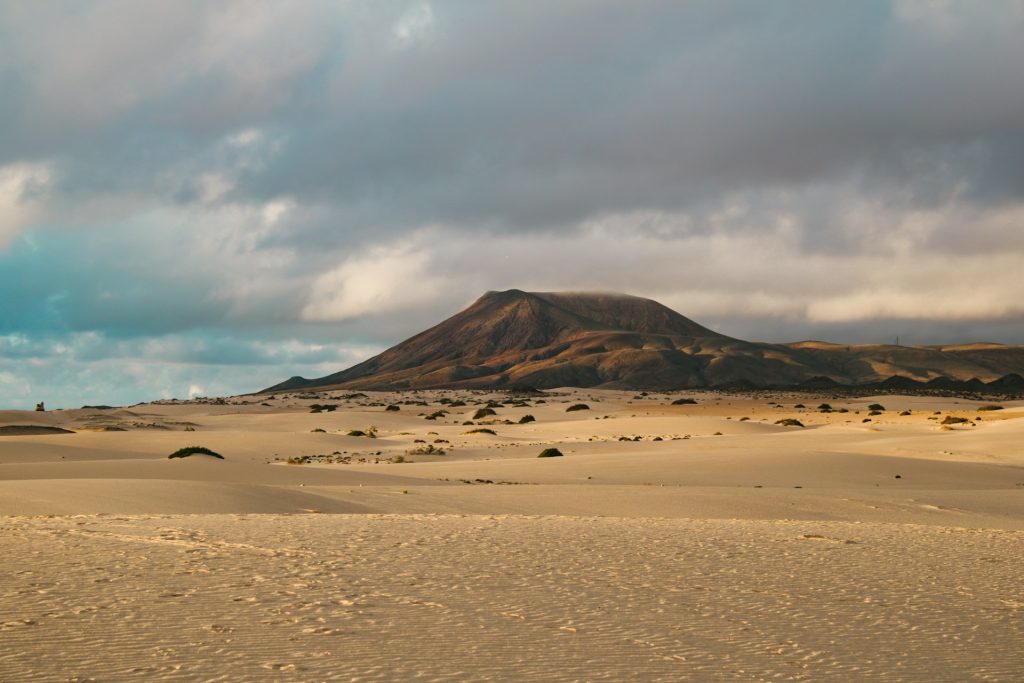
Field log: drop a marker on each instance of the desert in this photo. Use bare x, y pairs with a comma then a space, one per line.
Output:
452, 341
674, 539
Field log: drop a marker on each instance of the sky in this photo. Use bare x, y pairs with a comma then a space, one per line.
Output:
207, 198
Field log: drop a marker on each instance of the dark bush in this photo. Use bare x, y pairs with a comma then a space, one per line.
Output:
550, 453
193, 450
577, 406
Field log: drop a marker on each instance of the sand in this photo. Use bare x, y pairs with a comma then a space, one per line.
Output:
725, 550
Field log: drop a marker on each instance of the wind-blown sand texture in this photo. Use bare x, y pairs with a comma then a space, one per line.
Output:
762, 553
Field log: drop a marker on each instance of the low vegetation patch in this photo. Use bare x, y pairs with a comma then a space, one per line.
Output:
990, 407
577, 406
483, 412
194, 450
789, 422
527, 418
876, 406
550, 453
428, 449
684, 402
481, 430
953, 420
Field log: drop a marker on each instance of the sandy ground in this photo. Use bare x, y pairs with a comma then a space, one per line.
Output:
670, 542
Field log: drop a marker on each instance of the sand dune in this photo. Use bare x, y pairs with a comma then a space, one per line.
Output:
671, 542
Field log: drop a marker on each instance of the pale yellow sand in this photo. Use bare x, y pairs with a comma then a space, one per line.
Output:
328, 597
765, 552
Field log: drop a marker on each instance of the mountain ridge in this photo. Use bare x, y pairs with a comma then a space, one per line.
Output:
609, 340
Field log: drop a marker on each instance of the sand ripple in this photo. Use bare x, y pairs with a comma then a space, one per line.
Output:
456, 598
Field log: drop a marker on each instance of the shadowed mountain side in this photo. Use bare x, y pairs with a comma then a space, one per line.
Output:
548, 340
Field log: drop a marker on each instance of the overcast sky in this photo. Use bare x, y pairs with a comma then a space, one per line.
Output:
207, 198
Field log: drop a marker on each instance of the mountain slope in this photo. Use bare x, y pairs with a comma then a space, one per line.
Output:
618, 341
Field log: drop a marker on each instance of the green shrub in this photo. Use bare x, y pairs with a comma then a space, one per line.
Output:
193, 450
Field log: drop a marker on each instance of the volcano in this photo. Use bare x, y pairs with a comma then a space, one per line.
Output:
615, 341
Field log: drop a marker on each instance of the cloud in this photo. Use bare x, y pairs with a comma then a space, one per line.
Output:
22, 192
213, 184
385, 279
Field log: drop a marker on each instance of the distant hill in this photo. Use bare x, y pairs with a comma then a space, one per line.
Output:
546, 340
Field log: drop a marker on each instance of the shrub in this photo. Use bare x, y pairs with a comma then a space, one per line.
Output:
527, 418
193, 450
483, 412
825, 408
429, 449
577, 406
318, 429
953, 420
789, 422
799, 405
481, 430
550, 453
392, 409
684, 402
876, 406
990, 407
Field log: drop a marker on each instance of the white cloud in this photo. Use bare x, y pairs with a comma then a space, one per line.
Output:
23, 188
416, 25
384, 280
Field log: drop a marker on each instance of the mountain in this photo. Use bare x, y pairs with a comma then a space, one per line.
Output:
547, 339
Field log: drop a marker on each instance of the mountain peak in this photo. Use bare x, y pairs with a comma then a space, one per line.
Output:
612, 340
